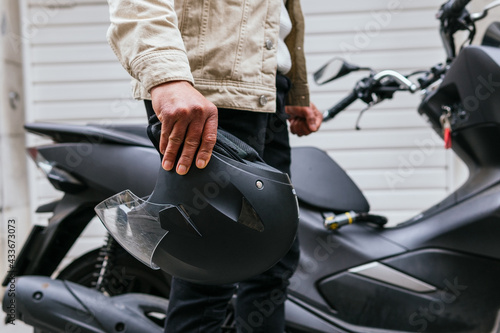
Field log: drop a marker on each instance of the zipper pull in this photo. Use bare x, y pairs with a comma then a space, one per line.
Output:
446, 125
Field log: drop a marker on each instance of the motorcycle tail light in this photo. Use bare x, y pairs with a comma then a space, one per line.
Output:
59, 178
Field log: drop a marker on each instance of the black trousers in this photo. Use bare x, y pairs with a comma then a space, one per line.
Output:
260, 300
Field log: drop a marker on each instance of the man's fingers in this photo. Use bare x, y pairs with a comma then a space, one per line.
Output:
314, 118
304, 120
303, 130
175, 140
299, 127
166, 129
191, 144
208, 140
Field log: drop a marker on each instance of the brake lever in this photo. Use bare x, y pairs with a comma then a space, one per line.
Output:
374, 86
362, 112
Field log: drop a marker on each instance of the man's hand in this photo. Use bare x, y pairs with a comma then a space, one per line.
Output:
187, 118
304, 119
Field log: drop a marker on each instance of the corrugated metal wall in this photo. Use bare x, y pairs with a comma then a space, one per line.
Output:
72, 76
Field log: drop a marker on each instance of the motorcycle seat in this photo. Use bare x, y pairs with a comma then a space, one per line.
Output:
320, 182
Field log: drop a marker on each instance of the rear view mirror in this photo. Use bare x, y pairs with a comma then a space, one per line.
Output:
333, 69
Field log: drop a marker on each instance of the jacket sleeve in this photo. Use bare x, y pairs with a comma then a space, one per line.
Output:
145, 37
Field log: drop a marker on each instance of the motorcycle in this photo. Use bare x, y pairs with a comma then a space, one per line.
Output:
436, 272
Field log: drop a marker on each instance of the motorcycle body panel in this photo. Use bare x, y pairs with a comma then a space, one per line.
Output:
472, 226
132, 135
492, 35
61, 306
464, 297
454, 254
324, 253
120, 167
471, 88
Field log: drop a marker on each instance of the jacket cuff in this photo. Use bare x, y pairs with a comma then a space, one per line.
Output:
161, 66
299, 95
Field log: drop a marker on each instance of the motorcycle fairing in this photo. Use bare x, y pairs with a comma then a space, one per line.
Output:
463, 298
470, 88
492, 35
131, 135
63, 306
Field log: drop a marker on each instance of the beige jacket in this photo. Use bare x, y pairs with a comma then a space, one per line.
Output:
226, 49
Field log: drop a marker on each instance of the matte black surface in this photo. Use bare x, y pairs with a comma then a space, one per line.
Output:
60, 306
473, 226
324, 253
223, 249
135, 129
302, 320
53, 243
119, 134
119, 167
471, 88
467, 299
107, 168
24, 258
320, 182
492, 35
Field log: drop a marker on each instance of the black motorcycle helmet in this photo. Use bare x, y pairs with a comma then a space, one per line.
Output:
225, 223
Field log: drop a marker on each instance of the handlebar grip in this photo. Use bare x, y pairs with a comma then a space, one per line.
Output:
453, 7
340, 106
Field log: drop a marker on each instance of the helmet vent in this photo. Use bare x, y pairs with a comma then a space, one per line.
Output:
249, 217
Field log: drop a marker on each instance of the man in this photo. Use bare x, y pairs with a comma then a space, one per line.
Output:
209, 63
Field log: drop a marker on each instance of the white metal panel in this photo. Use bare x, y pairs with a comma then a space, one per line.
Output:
394, 179
410, 200
370, 159
77, 72
61, 53
121, 109
323, 23
71, 34
312, 7
63, 3
371, 139
91, 13
79, 91
404, 40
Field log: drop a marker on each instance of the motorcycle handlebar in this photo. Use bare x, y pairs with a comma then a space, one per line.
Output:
453, 7
374, 84
340, 106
